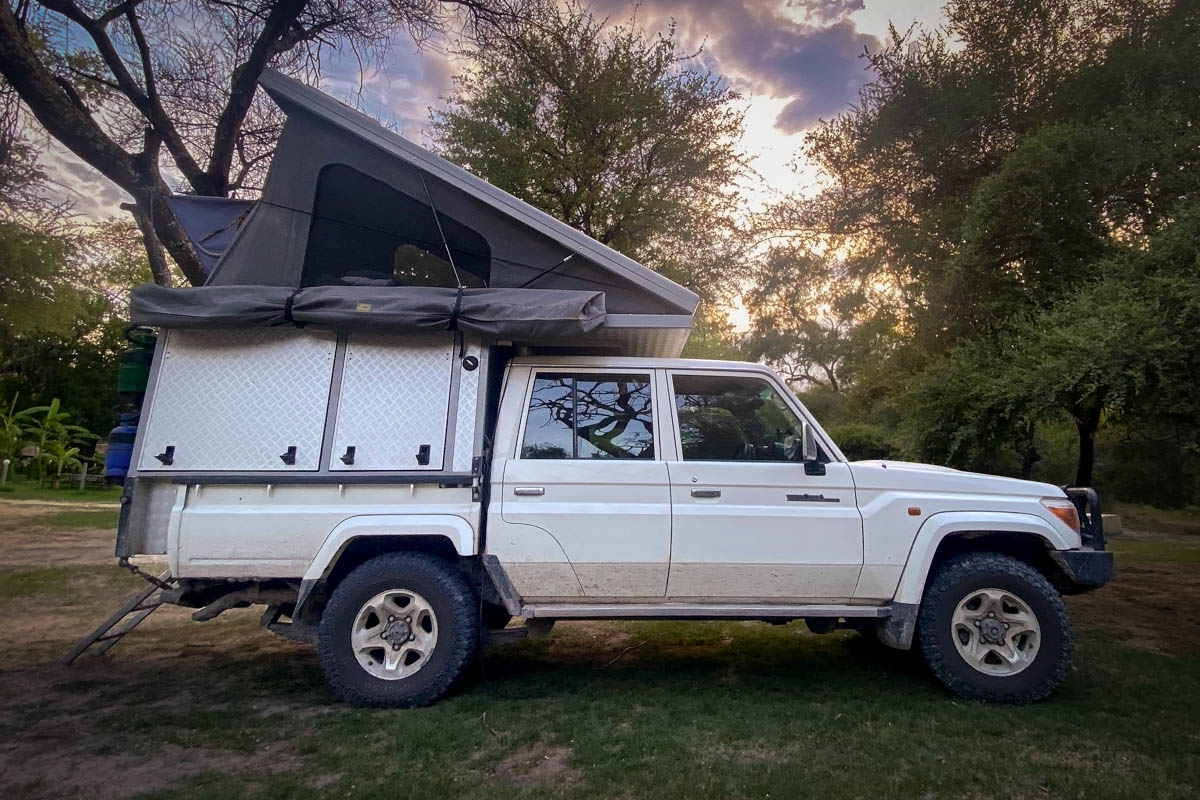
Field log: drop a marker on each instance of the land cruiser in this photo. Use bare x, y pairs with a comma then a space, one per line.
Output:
373, 422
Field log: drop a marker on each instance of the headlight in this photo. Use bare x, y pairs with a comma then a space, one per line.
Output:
1064, 509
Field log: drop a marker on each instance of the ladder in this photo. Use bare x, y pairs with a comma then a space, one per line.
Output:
125, 619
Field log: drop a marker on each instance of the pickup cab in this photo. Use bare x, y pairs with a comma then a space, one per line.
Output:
632, 488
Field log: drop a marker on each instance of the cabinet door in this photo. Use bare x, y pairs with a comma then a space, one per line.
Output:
392, 403
238, 400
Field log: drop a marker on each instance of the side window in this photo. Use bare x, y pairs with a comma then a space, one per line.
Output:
589, 416
365, 232
735, 418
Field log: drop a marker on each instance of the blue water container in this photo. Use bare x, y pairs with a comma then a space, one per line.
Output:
120, 448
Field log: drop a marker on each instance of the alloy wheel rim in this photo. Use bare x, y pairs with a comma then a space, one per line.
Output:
394, 634
996, 632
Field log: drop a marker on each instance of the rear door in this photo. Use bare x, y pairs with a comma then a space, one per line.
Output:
588, 471
749, 522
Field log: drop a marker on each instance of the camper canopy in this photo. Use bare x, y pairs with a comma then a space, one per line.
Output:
354, 216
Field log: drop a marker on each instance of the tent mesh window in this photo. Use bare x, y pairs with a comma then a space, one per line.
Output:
367, 233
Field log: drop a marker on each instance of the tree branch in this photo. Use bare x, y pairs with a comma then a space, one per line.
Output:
241, 93
148, 106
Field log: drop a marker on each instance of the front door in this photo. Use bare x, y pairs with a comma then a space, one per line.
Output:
749, 522
588, 472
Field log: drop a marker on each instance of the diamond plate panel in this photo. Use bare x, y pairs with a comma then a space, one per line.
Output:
467, 414
393, 400
237, 400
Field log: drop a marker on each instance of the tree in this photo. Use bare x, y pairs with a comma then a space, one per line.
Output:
999, 193
812, 322
142, 89
610, 131
46, 353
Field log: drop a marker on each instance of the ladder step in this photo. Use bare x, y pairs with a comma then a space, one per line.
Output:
134, 605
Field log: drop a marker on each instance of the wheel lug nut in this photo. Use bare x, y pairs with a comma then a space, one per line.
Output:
408, 619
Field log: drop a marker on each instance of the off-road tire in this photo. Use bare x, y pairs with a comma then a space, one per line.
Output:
454, 603
964, 573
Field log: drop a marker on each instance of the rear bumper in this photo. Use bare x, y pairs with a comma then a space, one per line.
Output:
1086, 569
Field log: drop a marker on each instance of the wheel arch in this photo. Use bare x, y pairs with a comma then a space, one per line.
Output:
358, 539
1026, 537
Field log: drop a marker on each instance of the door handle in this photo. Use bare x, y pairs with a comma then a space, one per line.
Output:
706, 492
528, 491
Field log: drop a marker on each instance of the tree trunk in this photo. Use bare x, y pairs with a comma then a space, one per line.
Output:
1029, 455
1086, 424
154, 249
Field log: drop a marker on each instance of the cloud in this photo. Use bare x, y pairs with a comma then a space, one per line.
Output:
805, 50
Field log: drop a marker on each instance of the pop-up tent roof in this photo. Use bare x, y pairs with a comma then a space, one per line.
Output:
350, 204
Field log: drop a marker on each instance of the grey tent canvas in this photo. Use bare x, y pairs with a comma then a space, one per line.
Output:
356, 215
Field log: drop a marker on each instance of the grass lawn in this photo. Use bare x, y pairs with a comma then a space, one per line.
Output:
632, 710
31, 491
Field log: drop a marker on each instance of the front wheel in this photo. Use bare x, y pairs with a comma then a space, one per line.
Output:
993, 629
398, 631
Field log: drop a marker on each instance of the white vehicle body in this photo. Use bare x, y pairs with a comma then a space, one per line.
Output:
666, 535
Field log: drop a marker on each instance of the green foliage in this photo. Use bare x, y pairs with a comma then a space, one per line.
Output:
861, 441
37, 288
51, 437
1009, 238
613, 133
46, 352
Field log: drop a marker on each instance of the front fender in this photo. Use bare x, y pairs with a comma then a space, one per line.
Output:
947, 523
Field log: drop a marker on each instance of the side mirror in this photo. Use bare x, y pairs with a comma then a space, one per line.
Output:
812, 462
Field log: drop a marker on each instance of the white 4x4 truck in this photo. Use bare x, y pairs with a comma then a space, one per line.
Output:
406, 407
607, 488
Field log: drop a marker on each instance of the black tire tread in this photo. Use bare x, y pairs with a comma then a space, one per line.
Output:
967, 565
464, 608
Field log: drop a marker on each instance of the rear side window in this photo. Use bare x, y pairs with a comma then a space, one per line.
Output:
589, 416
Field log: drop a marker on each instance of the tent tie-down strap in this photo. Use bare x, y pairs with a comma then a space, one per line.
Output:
288, 305
458, 298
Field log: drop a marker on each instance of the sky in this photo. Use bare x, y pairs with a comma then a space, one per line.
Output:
794, 61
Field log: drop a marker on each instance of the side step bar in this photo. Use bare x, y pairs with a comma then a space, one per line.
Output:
696, 611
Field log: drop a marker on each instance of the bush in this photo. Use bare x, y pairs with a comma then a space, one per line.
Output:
861, 441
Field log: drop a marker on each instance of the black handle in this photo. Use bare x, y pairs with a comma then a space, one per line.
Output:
289, 457
167, 456
709, 493
423, 455
348, 456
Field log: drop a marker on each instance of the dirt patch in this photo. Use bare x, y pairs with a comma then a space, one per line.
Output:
541, 764
1145, 606
24, 542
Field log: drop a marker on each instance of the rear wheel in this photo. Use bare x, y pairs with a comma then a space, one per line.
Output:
993, 629
398, 631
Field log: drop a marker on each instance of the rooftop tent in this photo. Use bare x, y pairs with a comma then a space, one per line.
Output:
348, 203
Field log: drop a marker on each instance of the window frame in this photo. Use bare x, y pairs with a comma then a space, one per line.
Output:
577, 372
828, 451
